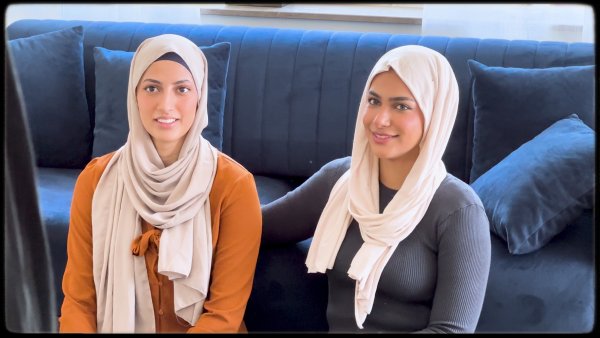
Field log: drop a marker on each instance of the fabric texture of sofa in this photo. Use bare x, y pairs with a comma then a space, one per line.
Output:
289, 106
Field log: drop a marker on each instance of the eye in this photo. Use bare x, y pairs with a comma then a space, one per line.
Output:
183, 90
151, 89
402, 107
373, 101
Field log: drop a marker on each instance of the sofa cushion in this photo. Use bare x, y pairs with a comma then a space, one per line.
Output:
112, 77
512, 105
50, 69
540, 188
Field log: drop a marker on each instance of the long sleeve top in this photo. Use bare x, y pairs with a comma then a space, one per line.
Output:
436, 278
236, 232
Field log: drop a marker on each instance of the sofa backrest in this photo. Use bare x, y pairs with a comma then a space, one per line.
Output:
293, 95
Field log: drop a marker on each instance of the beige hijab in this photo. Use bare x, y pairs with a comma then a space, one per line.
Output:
137, 185
431, 80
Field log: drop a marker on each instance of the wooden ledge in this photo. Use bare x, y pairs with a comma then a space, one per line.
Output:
351, 12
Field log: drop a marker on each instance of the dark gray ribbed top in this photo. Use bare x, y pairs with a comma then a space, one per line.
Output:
434, 282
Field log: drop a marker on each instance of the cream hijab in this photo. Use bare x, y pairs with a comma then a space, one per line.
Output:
431, 80
136, 185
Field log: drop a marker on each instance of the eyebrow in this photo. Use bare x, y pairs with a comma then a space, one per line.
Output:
158, 82
393, 99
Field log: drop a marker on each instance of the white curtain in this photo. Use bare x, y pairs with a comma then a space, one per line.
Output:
544, 22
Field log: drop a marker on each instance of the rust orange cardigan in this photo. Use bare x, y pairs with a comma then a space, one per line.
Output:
236, 230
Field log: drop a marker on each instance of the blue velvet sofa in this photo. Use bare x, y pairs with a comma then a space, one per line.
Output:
290, 107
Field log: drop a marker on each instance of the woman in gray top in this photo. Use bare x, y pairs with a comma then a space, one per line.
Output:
405, 245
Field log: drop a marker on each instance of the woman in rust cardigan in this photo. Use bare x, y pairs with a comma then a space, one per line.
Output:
165, 232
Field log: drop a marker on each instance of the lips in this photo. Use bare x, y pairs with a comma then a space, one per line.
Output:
169, 121
382, 139
383, 136
166, 122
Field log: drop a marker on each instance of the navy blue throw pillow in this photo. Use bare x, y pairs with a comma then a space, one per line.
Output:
541, 187
512, 105
112, 76
50, 70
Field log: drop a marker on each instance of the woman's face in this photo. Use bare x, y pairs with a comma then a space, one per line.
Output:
167, 100
393, 120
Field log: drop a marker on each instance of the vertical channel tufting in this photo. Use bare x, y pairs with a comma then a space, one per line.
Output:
305, 102
457, 52
288, 146
335, 97
387, 45
504, 55
312, 82
349, 104
535, 53
277, 102
520, 54
118, 37
264, 127
402, 40
235, 36
94, 35
579, 54
179, 29
203, 37
437, 43
134, 42
318, 145
250, 80
234, 92
550, 53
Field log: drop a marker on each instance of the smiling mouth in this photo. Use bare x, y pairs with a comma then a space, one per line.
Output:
166, 121
383, 137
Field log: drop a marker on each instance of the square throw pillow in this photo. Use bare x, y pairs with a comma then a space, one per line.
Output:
112, 76
512, 105
49, 68
540, 188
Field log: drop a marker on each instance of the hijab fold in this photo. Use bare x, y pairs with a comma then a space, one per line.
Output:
136, 185
355, 195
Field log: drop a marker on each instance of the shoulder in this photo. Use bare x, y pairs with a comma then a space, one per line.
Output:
456, 206
334, 169
339, 164
233, 185
454, 195
92, 172
230, 178
229, 169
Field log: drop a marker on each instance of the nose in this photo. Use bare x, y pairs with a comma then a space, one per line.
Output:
382, 118
166, 102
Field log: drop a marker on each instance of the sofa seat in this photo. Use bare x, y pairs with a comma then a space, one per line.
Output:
568, 259
510, 280
55, 191
270, 189
282, 296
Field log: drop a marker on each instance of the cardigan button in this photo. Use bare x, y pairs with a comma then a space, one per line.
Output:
160, 312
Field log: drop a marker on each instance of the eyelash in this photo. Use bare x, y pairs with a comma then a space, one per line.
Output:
373, 102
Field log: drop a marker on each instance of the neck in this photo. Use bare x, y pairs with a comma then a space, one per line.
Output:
168, 152
393, 172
